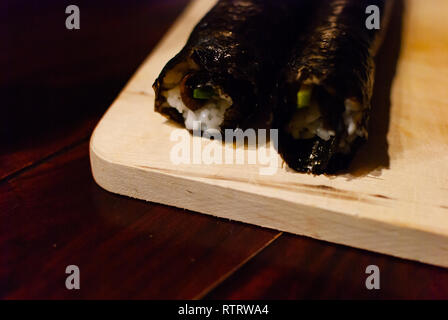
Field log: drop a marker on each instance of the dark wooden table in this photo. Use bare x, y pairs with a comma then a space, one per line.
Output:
55, 85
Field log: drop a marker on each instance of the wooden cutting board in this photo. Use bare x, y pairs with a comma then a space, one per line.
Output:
393, 199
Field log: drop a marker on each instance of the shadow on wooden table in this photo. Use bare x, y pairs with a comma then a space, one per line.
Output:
373, 156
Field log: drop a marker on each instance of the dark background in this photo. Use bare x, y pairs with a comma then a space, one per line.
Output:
55, 84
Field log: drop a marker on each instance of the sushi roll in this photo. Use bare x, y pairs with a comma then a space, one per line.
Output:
325, 87
224, 75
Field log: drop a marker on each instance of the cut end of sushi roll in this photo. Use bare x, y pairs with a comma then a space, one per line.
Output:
325, 88
315, 118
208, 110
321, 126
193, 96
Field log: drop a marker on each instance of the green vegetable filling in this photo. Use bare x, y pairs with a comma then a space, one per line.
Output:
203, 93
304, 96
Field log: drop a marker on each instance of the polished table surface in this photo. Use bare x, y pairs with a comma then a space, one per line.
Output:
55, 85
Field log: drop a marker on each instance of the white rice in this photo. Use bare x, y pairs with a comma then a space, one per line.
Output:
353, 117
211, 115
308, 123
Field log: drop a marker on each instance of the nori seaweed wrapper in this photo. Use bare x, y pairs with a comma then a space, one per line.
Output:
336, 55
237, 47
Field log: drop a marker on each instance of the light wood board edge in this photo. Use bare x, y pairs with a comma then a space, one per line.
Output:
267, 212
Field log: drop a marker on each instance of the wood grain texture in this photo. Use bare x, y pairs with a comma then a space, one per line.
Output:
296, 267
55, 215
51, 212
396, 205
56, 83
